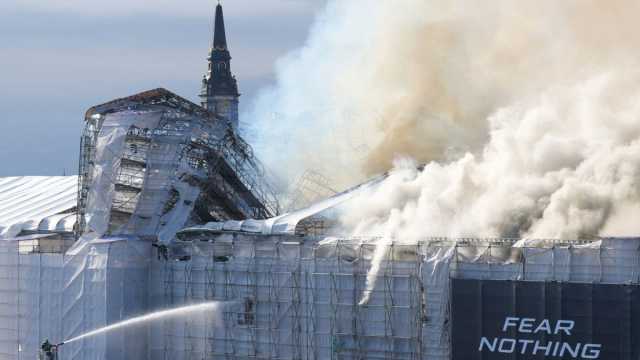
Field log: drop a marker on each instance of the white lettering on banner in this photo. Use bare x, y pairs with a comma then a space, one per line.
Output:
524, 343
511, 343
574, 352
564, 325
509, 321
510, 346
490, 345
591, 351
543, 327
537, 347
525, 325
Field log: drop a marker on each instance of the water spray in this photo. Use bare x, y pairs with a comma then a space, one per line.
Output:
184, 310
49, 351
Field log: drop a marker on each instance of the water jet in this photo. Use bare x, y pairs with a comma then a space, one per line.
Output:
157, 315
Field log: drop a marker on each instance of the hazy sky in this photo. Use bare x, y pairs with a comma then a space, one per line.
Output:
60, 57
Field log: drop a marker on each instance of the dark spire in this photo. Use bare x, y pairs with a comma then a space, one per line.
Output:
219, 86
219, 36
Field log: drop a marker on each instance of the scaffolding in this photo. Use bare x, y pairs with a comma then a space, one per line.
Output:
282, 297
46, 294
311, 186
154, 161
297, 298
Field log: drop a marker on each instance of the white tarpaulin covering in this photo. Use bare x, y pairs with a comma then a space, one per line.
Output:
300, 300
283, 299
165, 170
35, 202
109, 151
57, 297
294, 300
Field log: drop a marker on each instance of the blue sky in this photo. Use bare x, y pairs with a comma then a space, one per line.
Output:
59, 57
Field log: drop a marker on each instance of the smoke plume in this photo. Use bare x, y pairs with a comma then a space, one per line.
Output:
563, 164
382, 79
526, 114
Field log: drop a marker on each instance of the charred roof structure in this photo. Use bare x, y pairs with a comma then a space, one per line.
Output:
154, 162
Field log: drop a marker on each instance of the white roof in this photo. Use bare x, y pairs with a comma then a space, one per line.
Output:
37, 203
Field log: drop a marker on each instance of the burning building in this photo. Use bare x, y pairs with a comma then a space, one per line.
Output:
171, 208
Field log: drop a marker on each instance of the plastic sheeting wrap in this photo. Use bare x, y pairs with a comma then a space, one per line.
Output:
105, 282
158, 191
285, 297
35, 203
30, 301
57, 297
165, 170
299, 300
294, 300
108, 153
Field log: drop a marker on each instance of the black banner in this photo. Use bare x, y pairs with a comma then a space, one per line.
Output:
499, 320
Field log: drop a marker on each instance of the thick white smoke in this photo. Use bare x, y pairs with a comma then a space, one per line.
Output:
419, 78
563, 164
527, 114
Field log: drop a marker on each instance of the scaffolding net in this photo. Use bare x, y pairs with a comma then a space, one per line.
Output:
155, 163
299, 298
48, 295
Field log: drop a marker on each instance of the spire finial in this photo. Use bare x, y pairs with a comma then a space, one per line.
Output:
219, 36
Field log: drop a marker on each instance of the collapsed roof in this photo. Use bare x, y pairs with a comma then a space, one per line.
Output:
316, 219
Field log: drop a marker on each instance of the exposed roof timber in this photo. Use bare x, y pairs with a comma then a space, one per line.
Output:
159, 96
